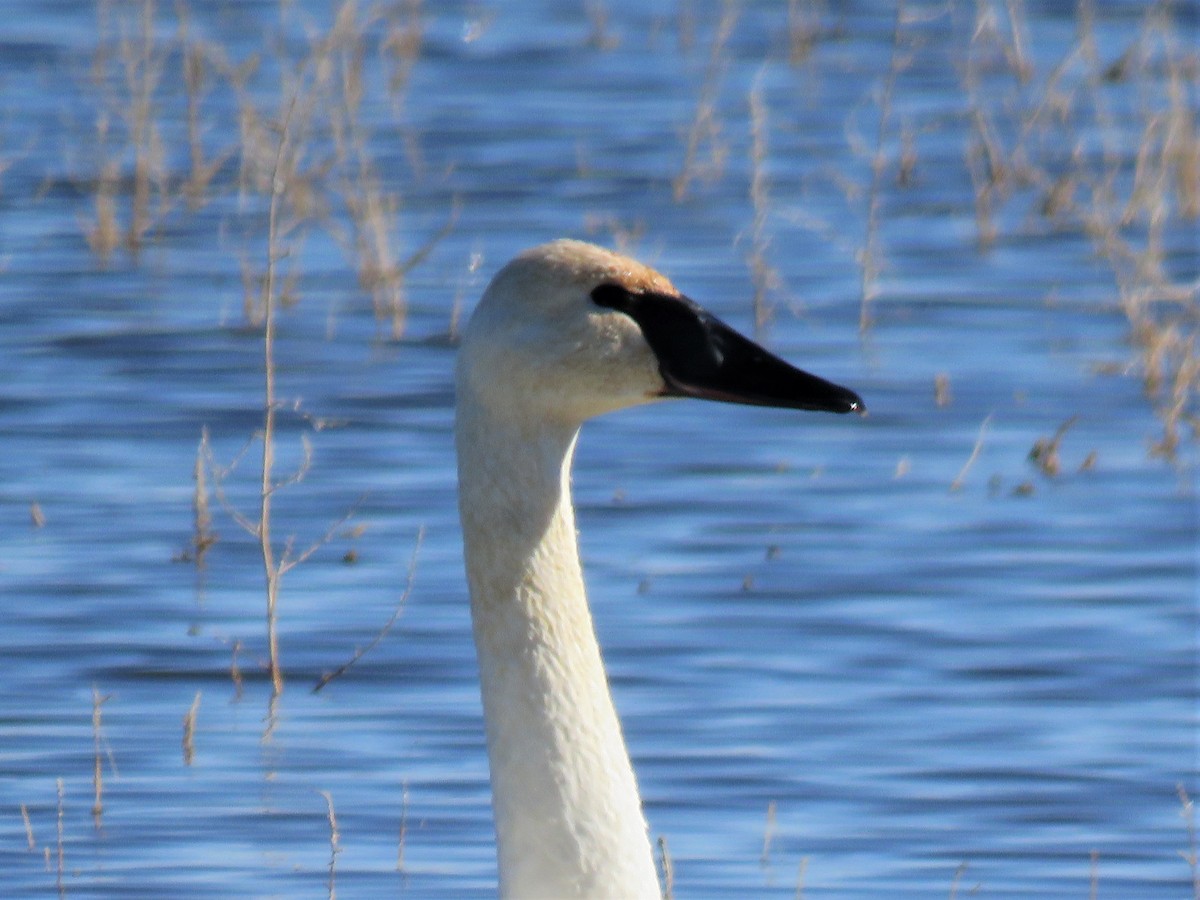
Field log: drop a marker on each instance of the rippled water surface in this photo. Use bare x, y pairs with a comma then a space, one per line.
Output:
837, 675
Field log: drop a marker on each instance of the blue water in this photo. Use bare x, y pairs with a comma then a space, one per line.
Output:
935, 691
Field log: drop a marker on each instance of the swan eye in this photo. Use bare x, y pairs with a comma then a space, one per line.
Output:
612, 296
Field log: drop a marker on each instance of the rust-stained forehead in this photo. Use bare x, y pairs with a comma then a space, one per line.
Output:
588, 265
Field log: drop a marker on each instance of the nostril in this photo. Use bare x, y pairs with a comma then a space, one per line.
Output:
611, 296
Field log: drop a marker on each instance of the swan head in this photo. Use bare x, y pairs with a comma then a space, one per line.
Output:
568, 330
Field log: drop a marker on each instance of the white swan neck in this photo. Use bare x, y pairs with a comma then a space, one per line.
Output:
568, 817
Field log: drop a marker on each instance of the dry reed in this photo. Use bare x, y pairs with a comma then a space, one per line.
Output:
599, 35
1191, 856
763, 275
666, 869
235, 672
360, 652
1044, 453
402, 837
29, 840
271, 569
100, 750
801, 871
199, 61
287, 180
705, 130
203, 536
992, 171
335, 846
103, 234
764, 858
142, 66
60, 841
189, 730
685, 26
870, 257
803, 28
942, 395
372, 210
961, 477
1058, 139
401, 48
127, 70
957, 880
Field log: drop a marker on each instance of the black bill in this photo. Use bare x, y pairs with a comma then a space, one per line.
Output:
700, 356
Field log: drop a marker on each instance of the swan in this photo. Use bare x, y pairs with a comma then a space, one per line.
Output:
564, 332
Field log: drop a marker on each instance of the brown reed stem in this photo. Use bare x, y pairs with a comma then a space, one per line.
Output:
705, 127
60, 842
203, 536
142, 68
666, 868
958, 875
363, 651
1190, 856
403, 836
270, 567
30, 842
764, 277
961, 477
1045, 450
235, 672
803, 29
334, 843
97, 757
189, 730
870, 254
764, 858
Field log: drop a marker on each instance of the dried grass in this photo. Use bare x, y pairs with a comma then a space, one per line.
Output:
764, 858
360, 652
1059, 137
60, 840
803, 28
763, 275
961, 478
1044, 453
335, 843
666, 869
189, 730
704, 152
871, 262
1191, 856
402, 835
100, 751
30, 842
203, 536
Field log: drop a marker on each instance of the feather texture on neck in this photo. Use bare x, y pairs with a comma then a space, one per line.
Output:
568, 817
